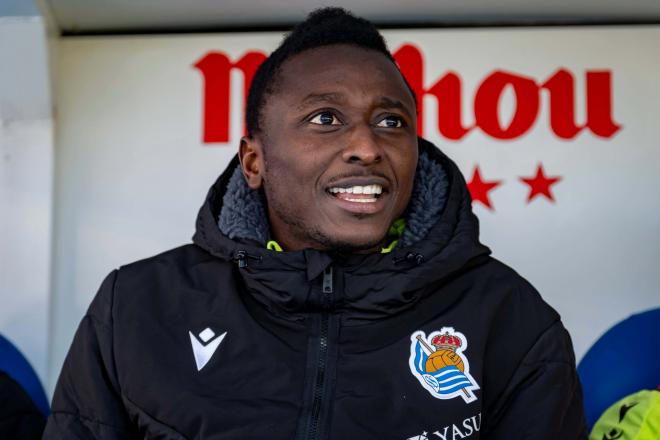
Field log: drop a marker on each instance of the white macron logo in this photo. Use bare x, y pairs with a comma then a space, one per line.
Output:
204, 350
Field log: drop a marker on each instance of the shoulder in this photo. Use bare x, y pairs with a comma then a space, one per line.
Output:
154, 302
519, 313
509, 293
165, 279
172, 266
181, 257
522, 326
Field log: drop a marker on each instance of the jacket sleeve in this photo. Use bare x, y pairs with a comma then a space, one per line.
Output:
87, 402
543, 398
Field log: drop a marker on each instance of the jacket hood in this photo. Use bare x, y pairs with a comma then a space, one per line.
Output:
441, 238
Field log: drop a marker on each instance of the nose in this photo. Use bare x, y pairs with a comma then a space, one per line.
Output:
362, 147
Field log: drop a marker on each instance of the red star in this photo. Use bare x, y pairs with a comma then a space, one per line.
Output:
540, 184
479, 189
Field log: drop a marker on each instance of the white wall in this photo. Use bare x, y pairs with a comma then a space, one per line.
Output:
26, 175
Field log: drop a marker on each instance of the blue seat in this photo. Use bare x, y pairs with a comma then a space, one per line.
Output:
19, 369
626, 359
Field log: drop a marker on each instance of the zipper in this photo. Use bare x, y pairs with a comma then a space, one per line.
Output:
242, 258
322, 362
410, 257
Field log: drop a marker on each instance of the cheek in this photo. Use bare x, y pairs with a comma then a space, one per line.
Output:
404, 164
290, 179
405, 167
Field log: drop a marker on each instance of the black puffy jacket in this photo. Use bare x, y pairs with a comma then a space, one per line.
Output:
224, 339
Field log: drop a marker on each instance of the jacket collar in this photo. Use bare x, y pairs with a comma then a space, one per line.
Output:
441, 238
243, 214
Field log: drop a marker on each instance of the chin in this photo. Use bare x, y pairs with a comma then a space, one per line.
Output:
354, 242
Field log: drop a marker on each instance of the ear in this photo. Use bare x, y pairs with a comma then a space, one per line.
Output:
251, 155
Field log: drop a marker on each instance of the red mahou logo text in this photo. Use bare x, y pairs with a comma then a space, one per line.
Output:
447, 90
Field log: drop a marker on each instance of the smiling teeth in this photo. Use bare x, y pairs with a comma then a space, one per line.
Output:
362, 200
368, 189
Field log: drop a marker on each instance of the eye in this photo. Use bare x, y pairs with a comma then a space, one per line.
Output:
391, 122
325, 118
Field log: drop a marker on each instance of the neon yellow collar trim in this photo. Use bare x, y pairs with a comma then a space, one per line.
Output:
395, 232
274, 246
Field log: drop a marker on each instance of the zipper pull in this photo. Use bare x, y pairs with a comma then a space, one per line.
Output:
327, 280
242, 257
327, 288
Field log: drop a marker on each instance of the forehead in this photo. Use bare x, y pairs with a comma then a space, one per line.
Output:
341, 70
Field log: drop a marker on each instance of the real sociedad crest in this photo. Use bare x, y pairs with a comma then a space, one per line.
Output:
439, 364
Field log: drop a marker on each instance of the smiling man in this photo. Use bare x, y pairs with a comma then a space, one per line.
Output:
336, 287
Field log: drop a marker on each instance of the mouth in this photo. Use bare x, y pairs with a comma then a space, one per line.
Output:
360, 197
357, 193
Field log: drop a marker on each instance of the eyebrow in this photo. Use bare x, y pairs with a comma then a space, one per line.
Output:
339, 98
386, 102
315, 98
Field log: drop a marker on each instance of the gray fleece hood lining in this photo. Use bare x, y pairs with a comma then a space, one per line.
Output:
243, 214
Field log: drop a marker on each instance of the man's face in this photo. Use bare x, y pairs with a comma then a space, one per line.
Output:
337, 150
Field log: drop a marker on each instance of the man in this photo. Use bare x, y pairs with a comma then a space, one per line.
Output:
336, 287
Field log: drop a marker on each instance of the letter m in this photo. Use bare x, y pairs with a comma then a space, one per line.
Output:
216, 69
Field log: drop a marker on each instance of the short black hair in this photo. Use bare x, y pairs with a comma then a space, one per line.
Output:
322, 27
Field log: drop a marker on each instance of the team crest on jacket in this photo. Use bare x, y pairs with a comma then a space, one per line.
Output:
438, 362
